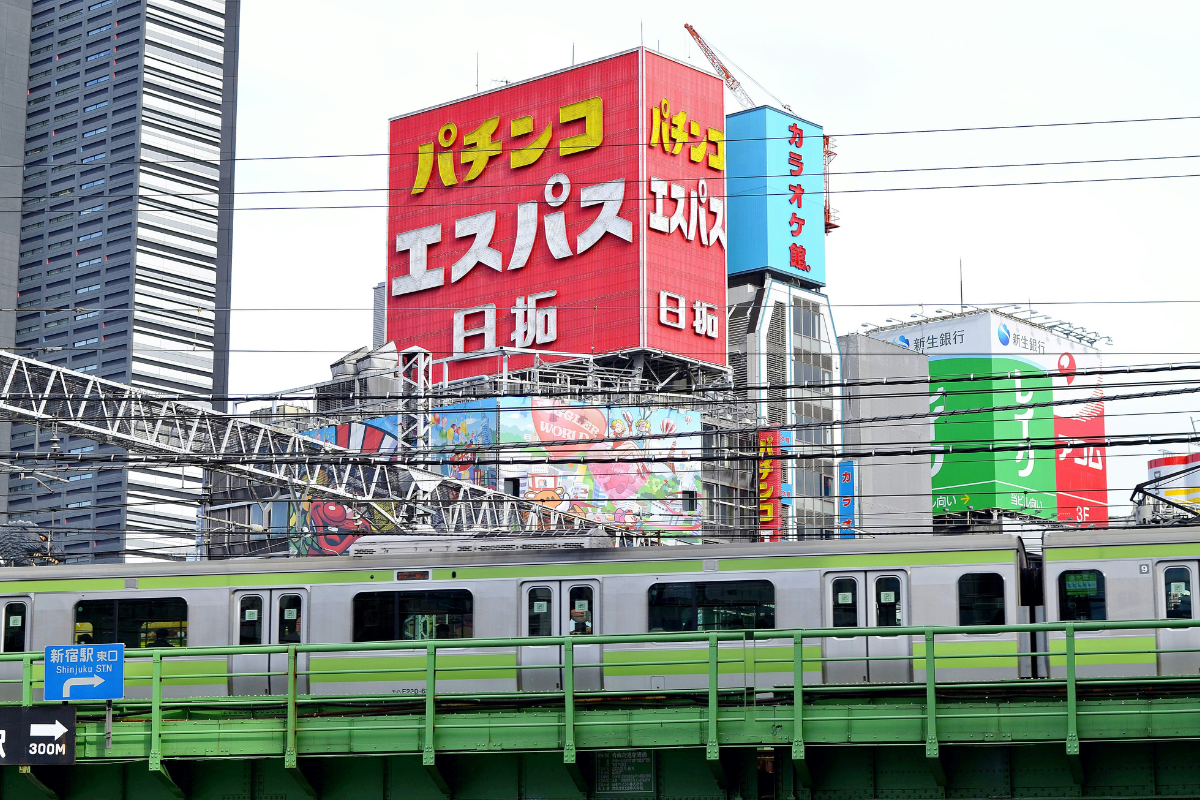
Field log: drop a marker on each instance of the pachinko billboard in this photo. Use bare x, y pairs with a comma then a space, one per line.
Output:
582, 212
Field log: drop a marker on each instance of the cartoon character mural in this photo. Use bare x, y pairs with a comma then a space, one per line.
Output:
322, 527
634, 478
458, 432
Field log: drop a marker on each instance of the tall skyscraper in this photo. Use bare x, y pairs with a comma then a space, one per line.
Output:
125, 233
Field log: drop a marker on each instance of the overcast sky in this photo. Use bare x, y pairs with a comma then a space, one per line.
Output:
322, 78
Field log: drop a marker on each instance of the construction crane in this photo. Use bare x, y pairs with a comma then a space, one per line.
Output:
734, 85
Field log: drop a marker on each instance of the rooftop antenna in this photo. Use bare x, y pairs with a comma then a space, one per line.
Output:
962, 304
477, 69
572, 54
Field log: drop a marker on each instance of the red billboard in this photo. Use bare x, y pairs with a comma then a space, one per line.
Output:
770, 483
577, 213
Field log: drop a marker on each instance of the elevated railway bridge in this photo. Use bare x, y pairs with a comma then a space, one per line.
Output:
293, 731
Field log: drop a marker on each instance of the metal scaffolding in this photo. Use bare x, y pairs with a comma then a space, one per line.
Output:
172, 433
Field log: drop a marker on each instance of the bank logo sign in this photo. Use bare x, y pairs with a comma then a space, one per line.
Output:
1003, 335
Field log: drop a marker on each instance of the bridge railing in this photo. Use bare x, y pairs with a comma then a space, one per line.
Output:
719, 669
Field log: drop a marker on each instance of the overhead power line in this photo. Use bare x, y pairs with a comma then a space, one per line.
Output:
651, 198
961, 129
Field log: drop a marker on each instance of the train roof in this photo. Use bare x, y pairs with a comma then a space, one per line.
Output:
1124, 538
884, 545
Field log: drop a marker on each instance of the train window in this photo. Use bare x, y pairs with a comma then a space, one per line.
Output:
142, 622
845, 603
541, 611
1081, 595
1178, 582
887, 602
250, 619
712, 606
580, 598
981, 599
391, 616
291, 617
14, 628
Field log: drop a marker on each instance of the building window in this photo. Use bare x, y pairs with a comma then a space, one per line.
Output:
712, 606
407, 616
144, 622
981, 599
1081, 595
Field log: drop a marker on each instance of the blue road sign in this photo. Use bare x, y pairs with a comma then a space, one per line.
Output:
85, 672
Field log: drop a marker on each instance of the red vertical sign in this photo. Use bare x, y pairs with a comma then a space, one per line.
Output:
1081, 468
770, 483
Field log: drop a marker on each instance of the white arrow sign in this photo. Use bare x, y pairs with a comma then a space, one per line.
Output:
56, 730
95, 680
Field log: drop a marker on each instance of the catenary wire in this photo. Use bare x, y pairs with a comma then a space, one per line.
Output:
961, 129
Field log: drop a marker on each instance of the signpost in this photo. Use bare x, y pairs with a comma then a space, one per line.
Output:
85, 672
37, 735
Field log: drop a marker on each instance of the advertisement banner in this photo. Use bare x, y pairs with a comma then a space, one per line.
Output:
652, 491
847, 499
328, 527
776, 178
1035, 392
770, 509
577, 213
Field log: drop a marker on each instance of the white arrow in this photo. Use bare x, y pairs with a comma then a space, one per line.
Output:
56, 730
95, 680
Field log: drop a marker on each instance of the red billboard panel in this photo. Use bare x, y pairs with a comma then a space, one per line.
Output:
577, 213
1081, 466
770, 483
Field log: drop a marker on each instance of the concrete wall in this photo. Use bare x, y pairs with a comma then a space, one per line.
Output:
14, 78
895, 492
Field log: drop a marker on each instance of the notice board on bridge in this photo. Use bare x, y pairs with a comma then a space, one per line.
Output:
625, 772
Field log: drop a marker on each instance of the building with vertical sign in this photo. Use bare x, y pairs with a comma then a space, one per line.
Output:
577, 214
557, 246
782, 342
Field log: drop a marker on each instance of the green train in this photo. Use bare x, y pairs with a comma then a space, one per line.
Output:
883, 582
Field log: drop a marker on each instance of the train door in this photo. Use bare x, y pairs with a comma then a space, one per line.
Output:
268, 616
1174, 581
844, 608
888, 608
558, 608
16, 638
867, 600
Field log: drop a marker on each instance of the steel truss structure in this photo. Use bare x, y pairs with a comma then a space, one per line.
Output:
172, 433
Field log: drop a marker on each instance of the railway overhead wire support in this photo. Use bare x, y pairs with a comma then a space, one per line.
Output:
173, 433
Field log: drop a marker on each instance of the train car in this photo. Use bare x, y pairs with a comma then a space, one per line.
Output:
852, 583
1144, 574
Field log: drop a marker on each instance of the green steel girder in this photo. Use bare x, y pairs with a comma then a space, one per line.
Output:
839, 772
894, 723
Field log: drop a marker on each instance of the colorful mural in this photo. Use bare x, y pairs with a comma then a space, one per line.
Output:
325, 527
457, 431
652, 496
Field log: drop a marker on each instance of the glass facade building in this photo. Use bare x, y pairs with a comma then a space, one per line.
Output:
125, 232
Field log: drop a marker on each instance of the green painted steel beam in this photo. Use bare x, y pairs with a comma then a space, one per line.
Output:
858, 721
